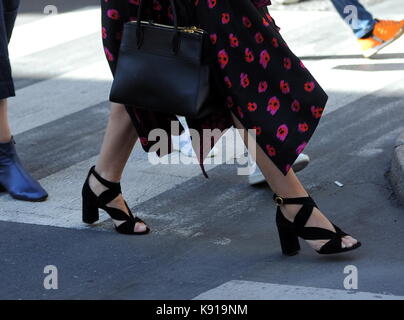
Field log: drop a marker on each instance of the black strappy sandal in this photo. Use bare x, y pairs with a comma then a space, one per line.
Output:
290, 231
92, 203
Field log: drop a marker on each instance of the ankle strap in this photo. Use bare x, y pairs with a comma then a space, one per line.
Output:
114, 186
302, 200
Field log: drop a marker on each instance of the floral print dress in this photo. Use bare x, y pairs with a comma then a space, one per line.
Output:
259, 79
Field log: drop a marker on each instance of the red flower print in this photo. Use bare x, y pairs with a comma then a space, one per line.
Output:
262, 86
273, 105
284, 85
271, 150
300, 148
213, 38
104, 33
252, 106
303, 127
295, 106
240, 112
275, 42
316, 111
227, 82
109, 55
144, 141
265, 22
211, 3
249, 56
259, 38
287, 63
309, 86
223, 58
233, 40
282, 132
257, 129
135, 2
113, 14
264, 58
244, 80
247, 22
225, 18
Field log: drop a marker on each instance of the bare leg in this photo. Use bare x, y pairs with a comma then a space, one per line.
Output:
119, 140
289, 186
5, 134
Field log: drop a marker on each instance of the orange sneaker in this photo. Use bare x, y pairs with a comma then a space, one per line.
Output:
384, 33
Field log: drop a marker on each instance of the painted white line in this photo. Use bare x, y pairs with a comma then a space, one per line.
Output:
250, 290
54, 30
50, 100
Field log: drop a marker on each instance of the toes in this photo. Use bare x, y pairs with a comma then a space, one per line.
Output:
140, 227
348, 242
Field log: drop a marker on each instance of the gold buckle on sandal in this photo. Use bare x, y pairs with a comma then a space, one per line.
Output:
278, 201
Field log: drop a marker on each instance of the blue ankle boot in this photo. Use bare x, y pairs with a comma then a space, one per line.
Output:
15, 179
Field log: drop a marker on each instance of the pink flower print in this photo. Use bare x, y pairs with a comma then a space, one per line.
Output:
273, 105
259, 38
225, 18
113, 14
264, 58
109, 55
309, 86
262, 86
303, 127
316, 111
227, 82
247, 22
287, 63
249, 56
213, 38
211, 3
284, 85
135, 2
275, 42
288, 167
104, 33
282, 132
300, 148
295, 106
233, 40
270, 150
244, 80
265, 22
223, 58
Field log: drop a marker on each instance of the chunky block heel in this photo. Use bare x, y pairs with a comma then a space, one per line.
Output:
290, 231
90, 212
289, 242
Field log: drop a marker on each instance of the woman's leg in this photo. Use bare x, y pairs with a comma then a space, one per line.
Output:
289, 186
5, 134
119, 140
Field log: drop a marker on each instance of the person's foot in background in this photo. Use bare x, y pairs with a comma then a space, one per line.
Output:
384, 32
256, 176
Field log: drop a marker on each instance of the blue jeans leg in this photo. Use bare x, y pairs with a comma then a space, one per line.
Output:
356, 16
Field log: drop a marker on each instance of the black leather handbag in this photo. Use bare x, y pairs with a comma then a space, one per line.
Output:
163, 68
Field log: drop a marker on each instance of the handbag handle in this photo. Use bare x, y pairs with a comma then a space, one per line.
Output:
140, 33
